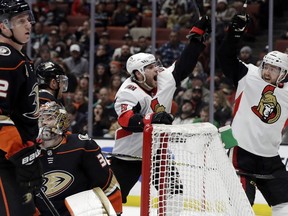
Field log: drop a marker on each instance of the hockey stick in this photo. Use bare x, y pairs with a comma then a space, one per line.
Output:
48, 203
258, 176
105, 201
110, 154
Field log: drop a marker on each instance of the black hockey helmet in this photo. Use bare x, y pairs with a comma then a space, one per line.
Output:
46, 71
11, 8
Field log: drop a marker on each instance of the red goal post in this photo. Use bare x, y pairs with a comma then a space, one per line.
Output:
186, 171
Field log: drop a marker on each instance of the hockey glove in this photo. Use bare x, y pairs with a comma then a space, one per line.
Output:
28, 167
158, 118
238, 24
201, 29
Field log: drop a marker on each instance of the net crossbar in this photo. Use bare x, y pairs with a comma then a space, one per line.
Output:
186, 171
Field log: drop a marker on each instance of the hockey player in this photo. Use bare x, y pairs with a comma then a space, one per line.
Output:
149, 92
71, 163
261, 110
20, 172
52, 82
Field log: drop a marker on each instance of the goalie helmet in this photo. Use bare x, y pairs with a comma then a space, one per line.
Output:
278, 59
139, 61
47, 71
53, 120
11, 8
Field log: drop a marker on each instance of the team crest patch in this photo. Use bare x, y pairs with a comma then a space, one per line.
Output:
5, 51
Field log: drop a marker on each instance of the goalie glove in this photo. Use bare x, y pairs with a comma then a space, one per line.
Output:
28, 167
238, 24
200, 30
158, 118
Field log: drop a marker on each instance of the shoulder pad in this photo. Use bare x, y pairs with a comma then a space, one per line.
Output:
10, 58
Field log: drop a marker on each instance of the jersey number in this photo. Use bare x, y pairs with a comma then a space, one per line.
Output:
3, 88
102, 160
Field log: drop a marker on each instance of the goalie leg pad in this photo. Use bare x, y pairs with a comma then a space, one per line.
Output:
88, 203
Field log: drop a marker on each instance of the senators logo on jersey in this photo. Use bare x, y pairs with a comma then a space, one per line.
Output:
156, 107
268, 109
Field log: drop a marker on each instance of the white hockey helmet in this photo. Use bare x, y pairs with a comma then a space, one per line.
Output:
139, 61
278, 59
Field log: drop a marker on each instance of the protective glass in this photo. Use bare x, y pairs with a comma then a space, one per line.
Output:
63, 80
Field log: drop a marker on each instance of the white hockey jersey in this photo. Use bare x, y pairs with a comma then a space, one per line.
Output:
261, 110
129, 95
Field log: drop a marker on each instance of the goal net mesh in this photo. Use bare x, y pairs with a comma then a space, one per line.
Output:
187, 172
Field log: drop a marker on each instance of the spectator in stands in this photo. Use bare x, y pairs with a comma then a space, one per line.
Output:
224, 14
197, 99
171, 50
52, 15
101, 16
64, 34
124, 55
57, 47
122, 17
116, 68
186, 114
143, 45
104, 41
44, 55
107, 104
101, 55
179, 18
101, 123
80, 8
222, 109
128, 40
83, 38
204, 116
78, 120
38, 38
80, 102
101, 76
246, 56
76, 64
83, 84
115, 83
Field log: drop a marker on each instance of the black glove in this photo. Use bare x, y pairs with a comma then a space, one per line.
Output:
159, 118
28, 167
238, 24
201, 29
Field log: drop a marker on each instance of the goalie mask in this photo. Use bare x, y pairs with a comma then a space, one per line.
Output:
277, 59
53, 121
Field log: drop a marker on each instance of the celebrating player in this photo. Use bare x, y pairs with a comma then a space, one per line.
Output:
149, 90
261, 110
20, 171
71, 163
52, 82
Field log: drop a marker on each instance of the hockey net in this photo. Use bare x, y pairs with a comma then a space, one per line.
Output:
186, 171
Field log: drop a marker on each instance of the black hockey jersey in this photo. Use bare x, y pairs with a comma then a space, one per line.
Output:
19, 102
74, 166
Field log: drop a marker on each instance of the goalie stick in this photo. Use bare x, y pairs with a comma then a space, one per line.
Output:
110, 154
48, 203
258, 176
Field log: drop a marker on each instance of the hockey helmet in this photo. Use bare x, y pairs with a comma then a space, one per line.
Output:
278, 59
11, 8
47, 71
139, 61
53, 120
